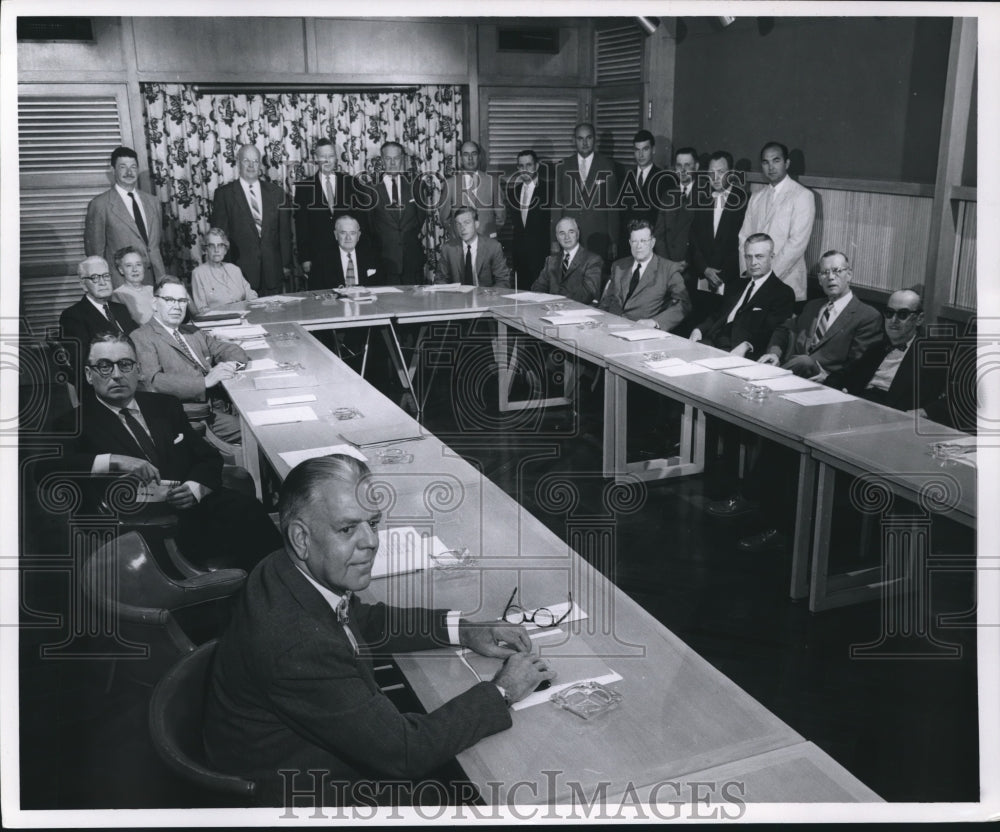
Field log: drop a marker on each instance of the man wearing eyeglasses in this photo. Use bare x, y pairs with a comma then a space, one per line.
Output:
146, 437
828, 335
188, 363
95, 312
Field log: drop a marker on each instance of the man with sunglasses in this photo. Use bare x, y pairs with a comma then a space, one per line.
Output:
146, 437
186, 362
95, 312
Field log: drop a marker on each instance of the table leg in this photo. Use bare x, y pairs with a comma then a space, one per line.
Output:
821, 537
803, 525
399, 364
251, 455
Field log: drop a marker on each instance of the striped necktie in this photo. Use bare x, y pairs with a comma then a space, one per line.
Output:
565, 265
184, 345
821, 325
351, 277
258, 218
111, 318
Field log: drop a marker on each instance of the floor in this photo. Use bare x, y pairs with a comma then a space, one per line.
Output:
905, 724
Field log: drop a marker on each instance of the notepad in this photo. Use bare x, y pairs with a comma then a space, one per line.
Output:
682, 369
252, 344
533, 296
271, 299
640, 334
261, 364
280, 417
280, 400
756, 372
233, 333
447, 287
282, 381
569, 318
824, 395
404, 549
369, 437
789, 382
725, 362
293, 458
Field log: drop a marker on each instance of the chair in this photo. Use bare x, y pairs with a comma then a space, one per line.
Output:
137, 601
176, 717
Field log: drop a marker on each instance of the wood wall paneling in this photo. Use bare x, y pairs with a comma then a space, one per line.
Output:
964, 285
74, 61
529, 68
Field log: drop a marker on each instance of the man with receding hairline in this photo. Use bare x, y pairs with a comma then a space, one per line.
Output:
474, 188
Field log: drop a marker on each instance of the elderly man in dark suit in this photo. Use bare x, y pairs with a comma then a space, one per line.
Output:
529, 207
644, 287
574, 272
256, 215
125, 216
292, 688
146, 437
350, 263
471, 258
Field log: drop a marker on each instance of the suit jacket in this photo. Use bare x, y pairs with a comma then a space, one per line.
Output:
262, 257
486, 195
643, 201
673, 222
600, 223
80, 322
314, 225
719, 249
771, 305
660, 294
490, 266
854, 331
395, 232
583, 277
287, 690
167, 367
531, 240
110, 226
789, 223
365, 263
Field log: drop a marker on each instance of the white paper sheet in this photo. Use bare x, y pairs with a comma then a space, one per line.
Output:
789, 382
540, 696
384, 290
233, 333
280, 400
757, 371
825, 395
260, 364
293, 458
569, 318
724, 362
446, 287
533, 296
253, 344
282, 416
275, 299
640, 334
404, 549
660, 363
682, 369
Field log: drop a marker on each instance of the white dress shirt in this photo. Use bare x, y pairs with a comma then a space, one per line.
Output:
128, 204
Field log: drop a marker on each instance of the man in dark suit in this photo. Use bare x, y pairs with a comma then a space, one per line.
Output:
319, 202
257, 217
350, 263
395, 220
640, 196
94, 313
125, 216
644, 287
830, 334
292, 688
673, 223
529, 208
713, 246
475, 188
587, 190
472, 259
746, 322
574, 272
145, 436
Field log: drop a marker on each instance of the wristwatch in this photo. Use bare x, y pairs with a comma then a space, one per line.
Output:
506, 696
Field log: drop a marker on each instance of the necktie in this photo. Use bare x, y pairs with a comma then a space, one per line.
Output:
137, 216
633, 282
394, 197
351, 278
821, 325
768, 199
139, 434
343, 616
584, 169
329, 193
720, 204
184, 345
742, 304
255, 209
111, 318
641, 176
525, 203
469, 276
565, 265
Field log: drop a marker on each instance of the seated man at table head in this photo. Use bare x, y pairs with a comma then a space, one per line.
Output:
574, 272
645, 287
829, 334
352, 265
292, 685
470, 258
747, 321
188, 363
145, 436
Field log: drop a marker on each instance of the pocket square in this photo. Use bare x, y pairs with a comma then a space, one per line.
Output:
179, 438
757, 309
370, 272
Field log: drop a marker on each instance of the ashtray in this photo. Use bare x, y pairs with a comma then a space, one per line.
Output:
454, 559
586, 699
343, 413
755, 392
393, 456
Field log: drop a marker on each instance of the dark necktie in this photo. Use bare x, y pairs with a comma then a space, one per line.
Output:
747, 294
633, 282
565, 265
470, 275
351, 278
111, 318
137, 216
395, 192
139, 434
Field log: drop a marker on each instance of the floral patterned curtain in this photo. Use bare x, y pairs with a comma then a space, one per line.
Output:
192, 138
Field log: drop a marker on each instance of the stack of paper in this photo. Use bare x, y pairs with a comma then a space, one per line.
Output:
293, 458
537, 297
756, 371
404, 549
569, 317
274, 299
789, 382
283, 416
824, 395
641, 334
237, 333
382, 434
447, 287
725, 362
680, 368
282, 381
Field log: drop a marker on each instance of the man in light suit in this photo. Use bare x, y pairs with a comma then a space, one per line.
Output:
395, 220
146, 437
587, 190
529, 207
316, 216
784, 210
256, 215
828, 335
474, 188
125, 216
472, 259
188, 363
292, 687
645, 287
574, 272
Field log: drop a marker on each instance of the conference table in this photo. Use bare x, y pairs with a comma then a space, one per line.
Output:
679, 720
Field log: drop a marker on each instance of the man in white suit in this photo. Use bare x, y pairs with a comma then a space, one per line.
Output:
784, 210
125, 216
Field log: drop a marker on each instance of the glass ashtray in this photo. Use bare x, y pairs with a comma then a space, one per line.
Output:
454, 559
285, 336
553, 307
755, 392
393, 456
591, 324
656, 355
343, 413
952, 450
586, 699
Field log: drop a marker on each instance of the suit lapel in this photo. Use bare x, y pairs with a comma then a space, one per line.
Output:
124, 215
172, 344
117, 436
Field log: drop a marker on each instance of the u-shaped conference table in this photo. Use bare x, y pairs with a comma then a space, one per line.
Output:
680, 722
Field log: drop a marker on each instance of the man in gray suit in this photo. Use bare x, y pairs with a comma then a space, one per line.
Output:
125, 216
475, 188
472, 258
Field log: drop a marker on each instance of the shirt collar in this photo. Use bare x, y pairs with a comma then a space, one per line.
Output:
781, 186
572, 252
840, 303
474, 242
132, 406
331, 597
123, 193
98, 304
165, 326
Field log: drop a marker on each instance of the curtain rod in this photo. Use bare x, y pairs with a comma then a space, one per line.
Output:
282, 88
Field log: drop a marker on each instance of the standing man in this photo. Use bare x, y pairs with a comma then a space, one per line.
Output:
645, 287
639, 194
395, 221
256, 216
784, 210
472, 258
125, 216
530, 208
673, 225
320, 201
473, 188
574, 272
350, 263
587, 190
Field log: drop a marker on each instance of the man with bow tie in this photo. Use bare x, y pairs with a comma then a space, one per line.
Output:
292, 690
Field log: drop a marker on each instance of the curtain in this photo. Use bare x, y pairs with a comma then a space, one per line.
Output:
192, 139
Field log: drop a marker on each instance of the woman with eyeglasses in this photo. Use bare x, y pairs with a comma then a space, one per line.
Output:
136, 295
215, 283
